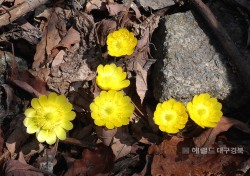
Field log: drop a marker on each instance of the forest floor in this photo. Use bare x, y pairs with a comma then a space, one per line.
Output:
56, 46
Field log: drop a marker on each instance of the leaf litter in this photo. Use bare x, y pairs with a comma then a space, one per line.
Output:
68, 45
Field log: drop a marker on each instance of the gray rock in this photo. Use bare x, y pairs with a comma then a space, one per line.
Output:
190, 62
6, 59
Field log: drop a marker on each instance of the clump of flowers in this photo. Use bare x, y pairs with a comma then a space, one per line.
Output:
111, 109
121, 42
205, 110
111, 77
49, 117
171, 116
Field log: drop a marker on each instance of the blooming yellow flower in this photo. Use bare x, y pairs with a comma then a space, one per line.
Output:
205, 110
171, 116
111, 109
111, 77
49, 117
121, 42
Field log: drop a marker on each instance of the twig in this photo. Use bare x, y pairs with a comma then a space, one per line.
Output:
232, 51
78, 143
20, 10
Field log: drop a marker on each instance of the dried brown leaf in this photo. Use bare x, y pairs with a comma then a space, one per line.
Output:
103, 28
51, 38
17, 1
58, 58
9, 95
101, 160
122, 142
169, 159
25, 80
105, 135
141, 81
1, 141
16, 168
72, 37
16, 139
207, 138
115, 9
95, 5
245, 166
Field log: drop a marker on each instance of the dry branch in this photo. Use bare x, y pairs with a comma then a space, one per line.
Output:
232, 51
19, 10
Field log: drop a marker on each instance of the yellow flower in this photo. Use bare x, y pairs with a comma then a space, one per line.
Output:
49, 117
111, 109
111, 77
205, 110
121, 42
171, 116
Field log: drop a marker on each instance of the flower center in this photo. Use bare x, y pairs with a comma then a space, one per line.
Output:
202, 111
49, 116
170, 116
109, 110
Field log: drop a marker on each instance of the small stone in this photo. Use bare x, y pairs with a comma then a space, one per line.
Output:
190, 62
6, 60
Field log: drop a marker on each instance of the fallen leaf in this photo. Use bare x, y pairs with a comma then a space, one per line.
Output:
1, 141
72, 37
93, 162
16, 139
17, 1
9, 95
207, 138
122, 143
105, 135
175, 157
245, 166
115, 9
31, 148
141, 81
51, 38
85, 25
94, 5
103, 28
28, 82
16, 168
58, 59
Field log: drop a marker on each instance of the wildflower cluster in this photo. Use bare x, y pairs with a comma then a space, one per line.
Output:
111, 108
172, 116
50, 116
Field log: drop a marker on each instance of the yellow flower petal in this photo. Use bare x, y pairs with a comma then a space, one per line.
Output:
67, 125
35, 104
43, 100
32, 129
51, 139
52, 97
60, 132
30, 112
42, 135
99, 122
61, 99
110, 125
69, 115
100, 69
